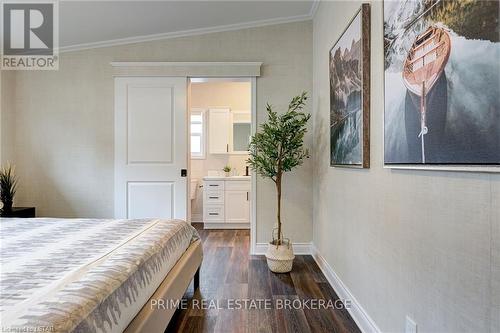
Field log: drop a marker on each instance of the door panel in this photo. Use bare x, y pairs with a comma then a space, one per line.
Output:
150, 128
150, 200
150, 147
237, 206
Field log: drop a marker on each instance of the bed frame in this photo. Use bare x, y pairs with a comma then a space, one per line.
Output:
152, 318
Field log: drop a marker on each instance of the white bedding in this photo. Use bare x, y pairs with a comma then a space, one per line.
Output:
74, 275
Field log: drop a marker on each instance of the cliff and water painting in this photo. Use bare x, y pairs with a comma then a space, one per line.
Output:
442, 82
349, 94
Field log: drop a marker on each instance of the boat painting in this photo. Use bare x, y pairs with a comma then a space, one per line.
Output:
423, 66
442, 83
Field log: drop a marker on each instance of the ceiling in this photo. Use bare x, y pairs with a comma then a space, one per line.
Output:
88, 24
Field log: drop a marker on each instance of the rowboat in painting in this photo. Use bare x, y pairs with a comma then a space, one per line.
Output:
426, 60
423, 66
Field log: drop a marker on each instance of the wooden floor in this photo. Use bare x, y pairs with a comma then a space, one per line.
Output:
229, 273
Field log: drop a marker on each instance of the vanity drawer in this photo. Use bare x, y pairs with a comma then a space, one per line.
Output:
213, 213
238, 185
213, 197
213, 185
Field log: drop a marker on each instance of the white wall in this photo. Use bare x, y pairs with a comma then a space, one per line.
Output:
235, 96
64, 120
418, 243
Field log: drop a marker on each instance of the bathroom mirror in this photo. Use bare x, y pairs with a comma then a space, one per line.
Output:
241, 131
241, 136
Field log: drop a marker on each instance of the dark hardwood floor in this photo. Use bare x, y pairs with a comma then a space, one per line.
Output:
230, 274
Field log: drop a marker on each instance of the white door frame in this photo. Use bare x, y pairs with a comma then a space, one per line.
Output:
253, 203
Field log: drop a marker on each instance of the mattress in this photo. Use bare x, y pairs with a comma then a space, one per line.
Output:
83, 275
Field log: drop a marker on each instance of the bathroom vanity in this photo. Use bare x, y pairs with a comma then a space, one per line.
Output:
226, 202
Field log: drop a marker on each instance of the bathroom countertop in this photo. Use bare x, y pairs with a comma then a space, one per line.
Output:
227, 178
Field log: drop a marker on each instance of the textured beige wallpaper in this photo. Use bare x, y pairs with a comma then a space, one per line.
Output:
418, 243
1, 105
64, 120
1, 144
7, 121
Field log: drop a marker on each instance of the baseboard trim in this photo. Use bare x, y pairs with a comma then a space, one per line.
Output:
298, 248
360, 316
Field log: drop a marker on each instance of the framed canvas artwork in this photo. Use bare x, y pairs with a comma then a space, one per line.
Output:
350, 94
442, 84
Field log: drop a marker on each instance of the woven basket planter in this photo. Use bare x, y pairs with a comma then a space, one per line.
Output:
280, 257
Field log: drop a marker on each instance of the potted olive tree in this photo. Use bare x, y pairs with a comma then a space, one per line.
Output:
278, 147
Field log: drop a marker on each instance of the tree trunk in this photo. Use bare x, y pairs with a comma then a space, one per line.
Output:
278, 190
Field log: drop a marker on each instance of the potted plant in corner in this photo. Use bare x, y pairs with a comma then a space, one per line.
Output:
8, 185
278, 147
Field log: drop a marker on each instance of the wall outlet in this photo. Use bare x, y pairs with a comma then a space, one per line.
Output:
410, 326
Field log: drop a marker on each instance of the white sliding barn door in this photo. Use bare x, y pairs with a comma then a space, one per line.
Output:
150, 147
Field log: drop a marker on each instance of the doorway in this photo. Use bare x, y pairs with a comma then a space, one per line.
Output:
221, 122
153, 182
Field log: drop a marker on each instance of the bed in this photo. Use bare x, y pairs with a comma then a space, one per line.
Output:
88, 275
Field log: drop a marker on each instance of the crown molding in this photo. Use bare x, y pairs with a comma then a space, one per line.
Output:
314, 9
187, 33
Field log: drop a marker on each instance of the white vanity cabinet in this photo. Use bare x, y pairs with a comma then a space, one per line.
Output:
219, 130
226, 203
